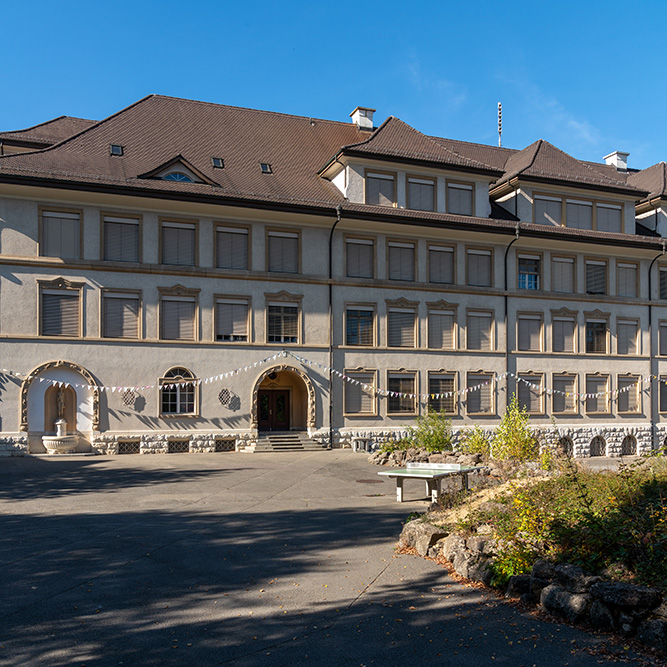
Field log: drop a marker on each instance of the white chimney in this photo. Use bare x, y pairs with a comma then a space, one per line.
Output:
617, 159
362, 117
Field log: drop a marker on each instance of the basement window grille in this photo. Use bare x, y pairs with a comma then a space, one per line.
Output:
225, 445
178, 447
129, 447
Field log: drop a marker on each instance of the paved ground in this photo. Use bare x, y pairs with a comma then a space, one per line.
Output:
236, 559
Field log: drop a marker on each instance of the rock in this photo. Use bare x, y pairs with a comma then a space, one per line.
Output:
661, 611
451, 545
470, 459
518, 585
574, 579
420, 535
653, 633
536, 586
543, 569
478, 544
480, 570
436, 458
484, 529
626, 595
601, 616
462, 562
626, 625
571, 606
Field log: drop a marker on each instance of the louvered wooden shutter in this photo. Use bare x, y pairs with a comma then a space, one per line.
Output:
562, 274
283, 252
529, 333
563, 335
420, 194
596, 278
548, 211
441, 330
121, 239
60, 313
579, 214
401, 261
401, 328
608, 218
441, 265
232, 248
359, 258
178, 244
562, 402
178, 319
60, 235
479, 268
121, 316
479, 332
626, 340
231, 320
459, 199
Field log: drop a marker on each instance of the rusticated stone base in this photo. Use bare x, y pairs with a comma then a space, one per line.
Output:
14, 445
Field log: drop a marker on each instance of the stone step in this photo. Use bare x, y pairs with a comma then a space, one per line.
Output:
287, 442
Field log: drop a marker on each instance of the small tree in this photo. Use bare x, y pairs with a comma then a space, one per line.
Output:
474, 441
514, 439
433, 432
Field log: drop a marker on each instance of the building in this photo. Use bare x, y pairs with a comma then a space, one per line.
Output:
190, 276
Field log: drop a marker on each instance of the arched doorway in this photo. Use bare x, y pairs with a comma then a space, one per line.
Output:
283, 399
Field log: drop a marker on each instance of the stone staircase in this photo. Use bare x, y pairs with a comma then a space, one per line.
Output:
287, 441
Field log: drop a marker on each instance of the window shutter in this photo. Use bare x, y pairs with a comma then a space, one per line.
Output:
663, 339
479, 332
663, 283
380, 189
579, 215
459, 199
596, 278
358, 399
527, 396
231, 321
121, 316
441, 384
529, 333
562, 274
60, 314
479, 268
441, 330
232, 248
178, 244
548, 211
283, 252
563, 335
401, 261
626, 339
60, 235
627, 280
359, 258
480, 400
420, 194
628, 394
121, 239
178, 319
663, 393
608, 218
401, 328
595, 385
561, 402
441, 265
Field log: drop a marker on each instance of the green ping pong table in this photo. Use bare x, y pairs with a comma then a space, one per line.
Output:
431, 473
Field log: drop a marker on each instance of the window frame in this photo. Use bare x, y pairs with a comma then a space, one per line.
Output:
537, 256
399, 374
403, 244
569, 259
662, 268
41, 211
355, 373
282, 232
596, 261
629, 320
662, 394
134, 219
361, 240
565, 315
461, 185
178, 293
382, 175
444, 248
490, 376
222, 226
361, 307
445, 375
107, 293
634, 378
597, 318
60, 286
233, 299
524, 316
480, 250
402, 307
442, 308
607, 399
549, 196
178, 223
575, 402
421, 180
284, 299
623, 265
541, 396
479, 312
662, 324
166, 380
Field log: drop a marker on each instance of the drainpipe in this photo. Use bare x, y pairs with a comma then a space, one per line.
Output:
339, 211
654, 399
517, 230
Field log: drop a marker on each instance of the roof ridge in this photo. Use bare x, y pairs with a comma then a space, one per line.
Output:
46, 122
475, 143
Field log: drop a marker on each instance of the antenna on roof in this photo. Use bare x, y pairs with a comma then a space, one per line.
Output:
500, 124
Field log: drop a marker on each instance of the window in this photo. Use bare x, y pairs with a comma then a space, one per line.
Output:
563, 334
283, 252
626, 279
562, 274
596, 277
121, 239
61, 312
596, 336
231, 320
663, 393
597, 397
177, 393
608, 218
441, 264
441, 333
179, 243
401, 398
626, 337
359, 258
401, 327
380, 189
61, 234
479, 331
579, 214
663, 283
265, 168
479, 396
177, 317
283, 323
360, 393
116, 150
479, 268
400, 261
548, 210
359, 327
459, 198
177, 176
628, 393
529, 272
565, 388
663, 339
231, 248
441, 390
529, 392
529, 333
218, 163
120, 313
421, 194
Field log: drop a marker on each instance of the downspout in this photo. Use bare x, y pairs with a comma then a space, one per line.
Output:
517, 230
654, 399
339, 212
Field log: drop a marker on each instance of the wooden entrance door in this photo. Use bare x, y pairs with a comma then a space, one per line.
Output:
273, 409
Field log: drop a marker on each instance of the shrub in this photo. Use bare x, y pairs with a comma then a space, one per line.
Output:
474, 441
514, 439
433, 432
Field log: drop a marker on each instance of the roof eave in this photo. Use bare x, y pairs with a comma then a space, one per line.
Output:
515, 181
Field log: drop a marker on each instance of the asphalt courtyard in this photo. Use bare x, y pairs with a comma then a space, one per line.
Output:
238, 559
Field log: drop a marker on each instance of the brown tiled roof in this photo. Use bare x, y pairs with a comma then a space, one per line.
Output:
49, 133
653, 180
494, 156
396, 139
543, 161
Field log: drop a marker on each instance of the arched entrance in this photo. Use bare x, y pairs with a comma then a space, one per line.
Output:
283, 399
59, 388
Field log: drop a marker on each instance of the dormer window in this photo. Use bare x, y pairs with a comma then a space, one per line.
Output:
218, 163
265, 167
177, 176
380, 188
115, 149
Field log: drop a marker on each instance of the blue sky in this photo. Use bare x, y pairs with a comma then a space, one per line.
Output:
588, 76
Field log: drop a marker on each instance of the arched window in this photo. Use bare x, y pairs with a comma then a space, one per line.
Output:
177, 176
598, 446
178, 393
566, 446
629, 446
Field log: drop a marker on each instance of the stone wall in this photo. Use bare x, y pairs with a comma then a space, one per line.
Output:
14, 445
158, 443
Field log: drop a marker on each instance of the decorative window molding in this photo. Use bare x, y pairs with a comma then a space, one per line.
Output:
178, 393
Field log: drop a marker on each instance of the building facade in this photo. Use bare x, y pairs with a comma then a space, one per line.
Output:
190, 276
